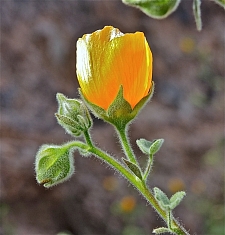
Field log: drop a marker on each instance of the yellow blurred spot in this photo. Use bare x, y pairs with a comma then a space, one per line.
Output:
127, 204
110, 183
198, 187
175, 185
187, 45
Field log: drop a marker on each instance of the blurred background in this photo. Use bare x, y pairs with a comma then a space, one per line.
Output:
38, 44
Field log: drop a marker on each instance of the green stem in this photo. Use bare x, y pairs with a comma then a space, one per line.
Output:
169, 218
149, 167
140, 185
88, 138
122, 133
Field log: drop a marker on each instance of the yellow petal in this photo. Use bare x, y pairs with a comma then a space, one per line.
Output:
108, 59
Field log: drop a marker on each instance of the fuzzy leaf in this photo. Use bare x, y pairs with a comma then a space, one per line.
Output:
161, 230
155, 146
158, 9
144, 145
176, 199
134, 168
161, 197
149, 147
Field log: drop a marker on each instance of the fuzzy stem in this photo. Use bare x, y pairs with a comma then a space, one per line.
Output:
149, 167
140, 185
88, 138
122, 133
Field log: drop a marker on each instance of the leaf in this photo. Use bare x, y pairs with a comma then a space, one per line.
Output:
197, 14
161, 230
144, 145
158, 9
155, 146
176, 199
134, 168
54, 164
149, 147
161, 197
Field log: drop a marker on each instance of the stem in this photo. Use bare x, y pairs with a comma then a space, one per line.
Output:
169, 218
122, 133
88, 138
149, 167
140, 185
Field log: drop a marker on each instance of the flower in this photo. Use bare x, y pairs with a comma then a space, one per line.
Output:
108, 59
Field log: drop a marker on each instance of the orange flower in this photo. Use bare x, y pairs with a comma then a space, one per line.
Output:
107, 59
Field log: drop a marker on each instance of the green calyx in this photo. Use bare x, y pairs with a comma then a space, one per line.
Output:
73, 115
120, 112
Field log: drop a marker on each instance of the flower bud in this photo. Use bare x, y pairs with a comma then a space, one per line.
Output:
73, 115
114, 71
54, 164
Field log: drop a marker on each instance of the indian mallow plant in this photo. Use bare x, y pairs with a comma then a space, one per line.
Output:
114, 71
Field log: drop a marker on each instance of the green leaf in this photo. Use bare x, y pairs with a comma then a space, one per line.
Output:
176, 199
161, 197
155, 146
134, 168
220, 2
149, 147
144, 145
197, 14
161, 230
54, 164
158, 9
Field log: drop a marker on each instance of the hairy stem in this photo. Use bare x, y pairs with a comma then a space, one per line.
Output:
122, 133
127, 174
148, 168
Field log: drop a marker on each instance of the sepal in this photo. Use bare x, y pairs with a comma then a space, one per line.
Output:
119, 112
73, 115
54, 164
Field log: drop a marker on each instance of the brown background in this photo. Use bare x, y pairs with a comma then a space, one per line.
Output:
38, 41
